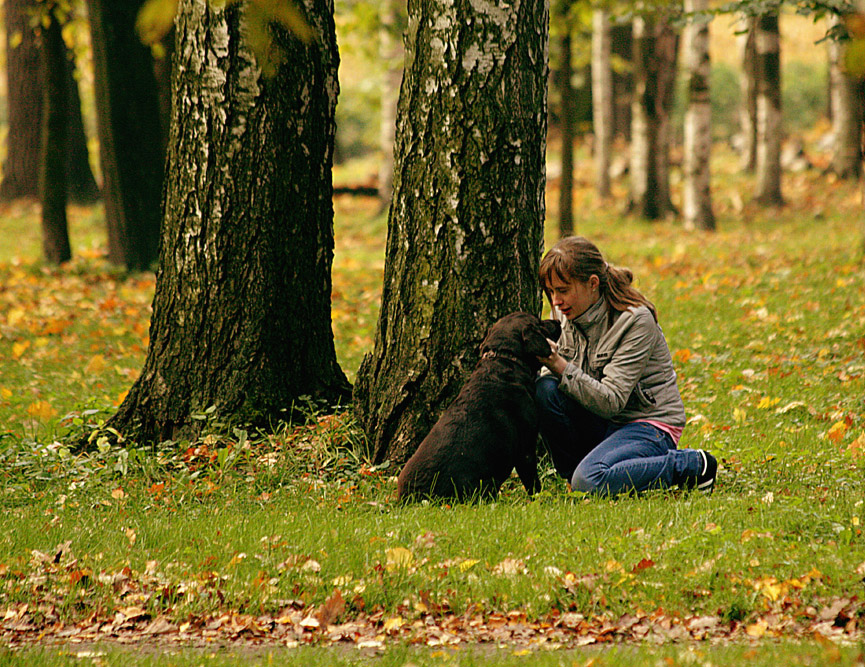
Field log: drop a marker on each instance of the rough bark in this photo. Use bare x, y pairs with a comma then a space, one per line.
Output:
465, 228
391, 49
52, 176
845, 99
748, 86
24, 96
768, 191
241, 313
602, 100
655, 50
130, 143
567, 95
697, 196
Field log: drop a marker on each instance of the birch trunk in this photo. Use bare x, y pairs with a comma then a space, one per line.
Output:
698, 123
748, 87
602, 100
465, 228
846, 107
768, 190
241, 313
392, 53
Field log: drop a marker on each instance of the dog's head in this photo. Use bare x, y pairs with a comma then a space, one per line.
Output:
522, 335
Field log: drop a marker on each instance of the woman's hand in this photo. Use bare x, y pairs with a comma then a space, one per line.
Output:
554, 362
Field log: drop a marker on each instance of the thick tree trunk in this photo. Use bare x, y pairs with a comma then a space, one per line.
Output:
567, 96
768, 190
24, 97
697, 199
392, 54
81, 185
241, 314
602, 100
465, 230
748, 88
130, 143
52, 177
655, 49
845, 101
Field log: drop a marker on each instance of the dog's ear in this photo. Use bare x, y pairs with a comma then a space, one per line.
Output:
552, 329
535, 341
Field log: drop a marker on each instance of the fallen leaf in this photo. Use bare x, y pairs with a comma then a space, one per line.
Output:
398, 557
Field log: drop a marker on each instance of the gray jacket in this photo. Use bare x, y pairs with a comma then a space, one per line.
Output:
619, 366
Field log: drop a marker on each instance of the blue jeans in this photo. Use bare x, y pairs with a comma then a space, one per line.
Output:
605, 458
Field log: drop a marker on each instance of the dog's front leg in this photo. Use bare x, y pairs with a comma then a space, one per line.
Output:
527, 467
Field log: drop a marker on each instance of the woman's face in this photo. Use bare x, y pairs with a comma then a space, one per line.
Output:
573, 298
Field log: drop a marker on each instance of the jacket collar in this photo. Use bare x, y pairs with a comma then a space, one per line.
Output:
597, 313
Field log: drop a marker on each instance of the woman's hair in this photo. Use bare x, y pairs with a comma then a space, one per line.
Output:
575, 258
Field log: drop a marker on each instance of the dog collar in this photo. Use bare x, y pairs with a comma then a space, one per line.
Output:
493, 354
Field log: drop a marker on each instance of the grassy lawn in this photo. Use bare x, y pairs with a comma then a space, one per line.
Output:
241, 543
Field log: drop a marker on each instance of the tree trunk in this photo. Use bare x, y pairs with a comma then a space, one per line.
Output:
698, 123
748, 87
846, 107
127, 114
392, 54
569, 112
655, 49
768, 190
466, 223
24, 97
602, 100
622, 48
52, 177
241, 313
24, 102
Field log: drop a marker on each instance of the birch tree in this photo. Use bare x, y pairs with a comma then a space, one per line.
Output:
465, 226
697, 196
241, 314
602, 100
748, 87
768, 49
845, 98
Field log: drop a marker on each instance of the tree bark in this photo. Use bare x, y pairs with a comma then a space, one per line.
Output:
622, 47
52, 177
130, 143
768, 190
748, 87
602, 100
392, 54
241, 314
568, 119
24, 97
697, 206
465, 228
655, 49
845, 93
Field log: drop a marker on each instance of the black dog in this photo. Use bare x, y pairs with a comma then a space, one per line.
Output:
492, 426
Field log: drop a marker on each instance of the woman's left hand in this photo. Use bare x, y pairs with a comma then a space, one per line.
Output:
554, 362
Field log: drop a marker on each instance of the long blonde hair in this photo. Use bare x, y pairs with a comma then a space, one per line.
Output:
575, 258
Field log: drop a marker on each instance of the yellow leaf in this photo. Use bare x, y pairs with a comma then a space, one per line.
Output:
118, 494
837, 431
398, 557
5, 392
468, 563
766, 402
19, 349
41, 410
758, 629
522, 652
393, 624
96, 365
856, 448
155, 19
15, 316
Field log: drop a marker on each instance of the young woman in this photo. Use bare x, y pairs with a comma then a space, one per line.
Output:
610, 410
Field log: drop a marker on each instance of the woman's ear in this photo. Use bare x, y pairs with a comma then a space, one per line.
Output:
594, 282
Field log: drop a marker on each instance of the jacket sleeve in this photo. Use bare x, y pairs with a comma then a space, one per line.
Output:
608, 396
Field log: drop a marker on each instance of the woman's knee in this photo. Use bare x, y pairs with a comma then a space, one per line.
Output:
547, 394
590, 478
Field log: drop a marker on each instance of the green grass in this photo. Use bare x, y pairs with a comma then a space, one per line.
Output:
765, 321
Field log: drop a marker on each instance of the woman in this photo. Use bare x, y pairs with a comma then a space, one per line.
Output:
610, 410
